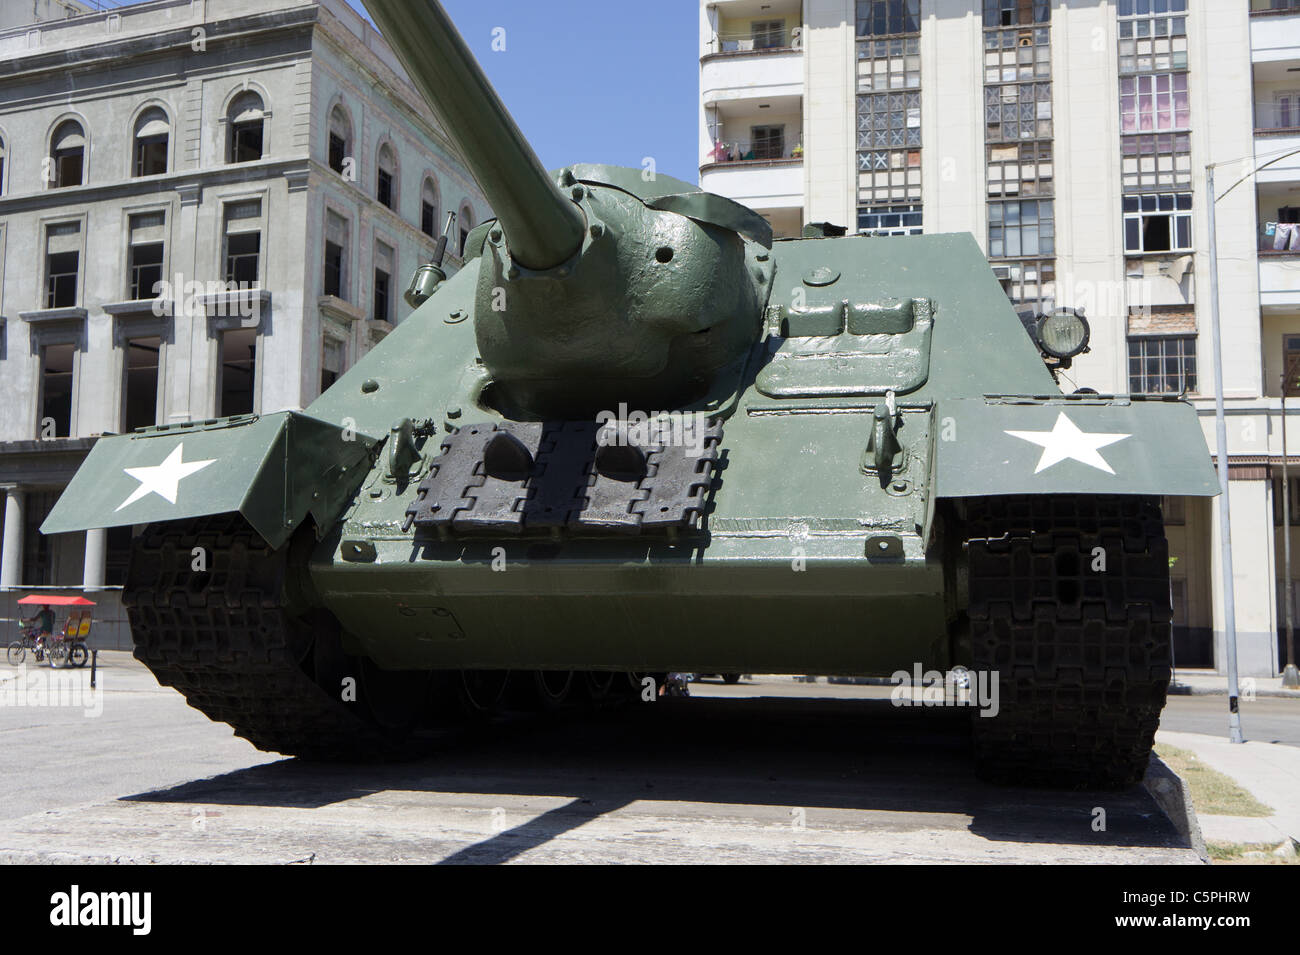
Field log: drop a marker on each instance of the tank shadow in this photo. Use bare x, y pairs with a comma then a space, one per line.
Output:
806, 754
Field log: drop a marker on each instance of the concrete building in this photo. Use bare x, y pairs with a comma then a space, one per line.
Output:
1071, 138
207, 208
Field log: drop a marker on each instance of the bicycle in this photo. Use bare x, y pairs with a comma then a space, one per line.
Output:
30, 640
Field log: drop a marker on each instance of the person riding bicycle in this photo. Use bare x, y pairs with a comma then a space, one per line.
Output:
43, 621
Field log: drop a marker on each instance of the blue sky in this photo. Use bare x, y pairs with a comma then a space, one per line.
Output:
607, 81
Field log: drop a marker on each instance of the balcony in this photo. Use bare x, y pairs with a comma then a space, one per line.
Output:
1277, 133
1274, 30
746, 68
1279, 279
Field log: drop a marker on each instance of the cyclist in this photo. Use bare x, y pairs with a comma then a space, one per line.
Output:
43, 621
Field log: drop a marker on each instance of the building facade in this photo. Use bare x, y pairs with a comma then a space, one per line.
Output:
207, 208
1072, 140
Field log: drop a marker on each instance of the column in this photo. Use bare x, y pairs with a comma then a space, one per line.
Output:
96, 554
11, 550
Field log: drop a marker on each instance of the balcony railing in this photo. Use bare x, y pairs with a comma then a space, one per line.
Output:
1277, 117
1264, 8
740, 151
772, 41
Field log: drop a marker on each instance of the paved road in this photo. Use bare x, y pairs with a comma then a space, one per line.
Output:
796, 777
1267, 719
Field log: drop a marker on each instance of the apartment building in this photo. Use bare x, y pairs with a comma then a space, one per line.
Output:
1072, 140
207, 208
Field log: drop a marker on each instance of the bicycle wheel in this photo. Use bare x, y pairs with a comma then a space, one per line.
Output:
16, 653
58, 655
78, 655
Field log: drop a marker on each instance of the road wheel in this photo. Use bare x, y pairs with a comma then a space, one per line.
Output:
731, 679
482, 694
17, 652
1069, 606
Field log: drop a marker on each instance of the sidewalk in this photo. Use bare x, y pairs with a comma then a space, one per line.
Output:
1268, 771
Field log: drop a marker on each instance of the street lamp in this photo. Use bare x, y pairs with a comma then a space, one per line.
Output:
1290, 676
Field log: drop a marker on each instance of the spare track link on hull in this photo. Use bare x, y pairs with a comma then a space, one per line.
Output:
221, 637
1069, 604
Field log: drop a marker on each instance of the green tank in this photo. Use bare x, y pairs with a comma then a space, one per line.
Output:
635, 435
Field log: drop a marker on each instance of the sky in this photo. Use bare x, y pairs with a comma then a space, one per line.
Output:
609, 81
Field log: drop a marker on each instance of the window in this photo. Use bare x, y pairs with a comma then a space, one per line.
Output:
62, 263
243, 242
67, 155
1152, 35
1017, 111
247, 117
145, 265
466, 226
1174, 510
1019, 169
336, 246
889, 139
1277, 506
889, 64
384, 185
57, 366
767, 142
1022, 228
1010, 13
887, 17
1017, 55
768, 34
429, 209
140, 392
1291, 365
1159, 222
340, 140
382, 305
331, 363
1030, 283
890, 220
1162, 364
1162, 159
237, 374
151, 136
1153, 103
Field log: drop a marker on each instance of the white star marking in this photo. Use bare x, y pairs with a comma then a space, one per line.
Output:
163, 479
1066, 441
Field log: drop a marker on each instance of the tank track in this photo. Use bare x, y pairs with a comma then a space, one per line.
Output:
1083, 655
222, 638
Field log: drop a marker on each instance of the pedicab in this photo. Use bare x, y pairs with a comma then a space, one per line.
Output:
67, 645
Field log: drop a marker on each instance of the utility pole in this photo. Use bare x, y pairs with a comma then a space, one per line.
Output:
1221, 455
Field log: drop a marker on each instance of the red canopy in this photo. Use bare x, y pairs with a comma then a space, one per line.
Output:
60, 601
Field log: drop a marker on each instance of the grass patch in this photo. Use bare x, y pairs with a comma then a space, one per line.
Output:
1213, 793
1245, 853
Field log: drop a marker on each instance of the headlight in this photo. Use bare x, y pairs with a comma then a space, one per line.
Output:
1063, 333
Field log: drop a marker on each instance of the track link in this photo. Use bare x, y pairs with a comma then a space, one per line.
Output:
221, 637
1069, 604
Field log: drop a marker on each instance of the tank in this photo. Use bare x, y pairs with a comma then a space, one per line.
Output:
635, 435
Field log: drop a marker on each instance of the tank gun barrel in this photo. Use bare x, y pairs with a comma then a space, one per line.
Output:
544, 228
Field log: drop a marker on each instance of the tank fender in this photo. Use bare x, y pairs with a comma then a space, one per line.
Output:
1094, 444
273, 469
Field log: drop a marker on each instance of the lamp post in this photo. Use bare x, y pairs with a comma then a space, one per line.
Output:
1221, 455
1290, 675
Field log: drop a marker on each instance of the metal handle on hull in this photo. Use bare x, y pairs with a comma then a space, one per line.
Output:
543, 226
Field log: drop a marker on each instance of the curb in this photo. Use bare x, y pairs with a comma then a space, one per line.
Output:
1172, 795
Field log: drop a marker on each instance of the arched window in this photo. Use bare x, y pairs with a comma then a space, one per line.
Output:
151, 133
247, 116
466, 225
385, 188
68, 154
429, 208
340, 141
